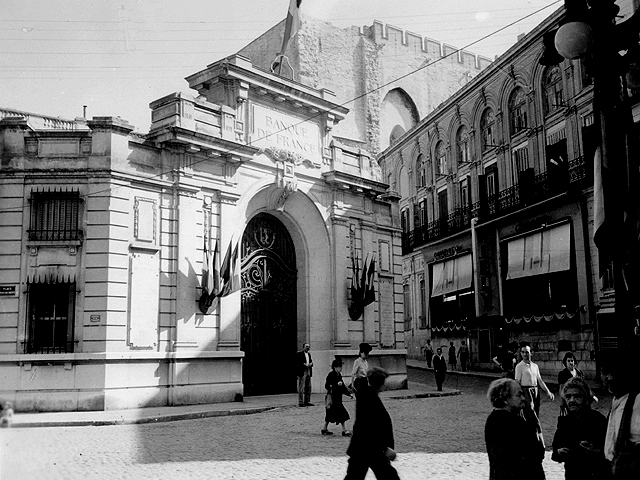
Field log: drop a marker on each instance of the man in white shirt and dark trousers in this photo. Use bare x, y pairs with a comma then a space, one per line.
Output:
528, 376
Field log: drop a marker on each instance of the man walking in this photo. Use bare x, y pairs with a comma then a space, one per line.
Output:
372, 445
528, 376
304, 366
439, 368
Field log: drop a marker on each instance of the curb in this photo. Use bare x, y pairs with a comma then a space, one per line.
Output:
172, 417
143, 420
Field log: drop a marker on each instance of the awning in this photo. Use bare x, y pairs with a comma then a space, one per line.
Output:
452, 275
52, 274
546, 251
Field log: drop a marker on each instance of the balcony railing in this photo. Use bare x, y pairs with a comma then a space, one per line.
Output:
527, 192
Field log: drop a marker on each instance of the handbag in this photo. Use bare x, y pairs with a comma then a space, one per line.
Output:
328, 401
626, 457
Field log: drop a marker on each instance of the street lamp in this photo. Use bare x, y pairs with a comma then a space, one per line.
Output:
589, 31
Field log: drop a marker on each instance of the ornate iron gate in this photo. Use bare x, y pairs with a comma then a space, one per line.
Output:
268, 307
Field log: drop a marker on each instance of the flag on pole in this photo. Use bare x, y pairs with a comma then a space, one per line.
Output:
228, 275
368, 272
292, 24
210, 278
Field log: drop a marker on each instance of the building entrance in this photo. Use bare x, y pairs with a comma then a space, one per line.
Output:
269, 323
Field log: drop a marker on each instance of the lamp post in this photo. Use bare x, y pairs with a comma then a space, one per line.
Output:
589, 31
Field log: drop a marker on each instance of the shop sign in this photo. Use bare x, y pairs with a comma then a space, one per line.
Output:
447, 252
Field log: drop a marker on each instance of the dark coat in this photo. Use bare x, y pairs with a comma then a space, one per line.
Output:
372, 430
300, 361
513, 448
565, 375
587, 425
337, 413
439, 365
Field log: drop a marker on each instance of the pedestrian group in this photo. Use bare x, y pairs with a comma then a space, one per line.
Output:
590, 445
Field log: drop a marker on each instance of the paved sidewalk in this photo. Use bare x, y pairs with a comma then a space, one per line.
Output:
166, 414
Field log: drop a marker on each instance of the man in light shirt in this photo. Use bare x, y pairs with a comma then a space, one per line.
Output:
618, 378
528, 376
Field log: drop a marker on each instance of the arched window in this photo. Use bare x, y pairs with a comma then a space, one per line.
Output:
421, 172
517, 111
462, 144
552, 89
487, 129
441, 158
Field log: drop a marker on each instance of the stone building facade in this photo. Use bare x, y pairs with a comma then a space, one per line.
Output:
498, 218
108, 234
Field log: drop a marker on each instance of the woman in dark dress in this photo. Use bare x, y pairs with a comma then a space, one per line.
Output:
335, 411
512, 444
579, 438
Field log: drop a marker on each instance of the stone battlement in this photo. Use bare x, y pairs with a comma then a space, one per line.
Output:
388, 34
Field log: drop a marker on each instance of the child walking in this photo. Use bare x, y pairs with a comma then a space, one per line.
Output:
335, 411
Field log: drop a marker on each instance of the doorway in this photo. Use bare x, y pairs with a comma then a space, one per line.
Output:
269, 306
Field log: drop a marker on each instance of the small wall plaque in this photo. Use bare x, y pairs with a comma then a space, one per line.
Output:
8, 290
94, 318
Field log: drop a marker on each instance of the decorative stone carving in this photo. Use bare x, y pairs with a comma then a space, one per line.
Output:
282, 155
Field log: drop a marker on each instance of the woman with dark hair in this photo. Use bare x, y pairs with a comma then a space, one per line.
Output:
569, 371
512, 444
580, 436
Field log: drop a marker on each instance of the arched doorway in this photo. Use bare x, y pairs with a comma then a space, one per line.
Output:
268, 338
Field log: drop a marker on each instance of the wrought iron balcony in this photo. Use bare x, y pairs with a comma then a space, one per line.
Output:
527, 192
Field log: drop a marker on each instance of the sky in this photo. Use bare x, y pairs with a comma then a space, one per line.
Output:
116, 57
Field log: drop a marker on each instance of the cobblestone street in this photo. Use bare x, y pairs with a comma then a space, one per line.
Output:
435, 438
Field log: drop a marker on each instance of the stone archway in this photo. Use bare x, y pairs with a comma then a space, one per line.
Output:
269, 321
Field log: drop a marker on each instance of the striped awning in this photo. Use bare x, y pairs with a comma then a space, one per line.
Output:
452, 275
556, 136
52, 274
546, 251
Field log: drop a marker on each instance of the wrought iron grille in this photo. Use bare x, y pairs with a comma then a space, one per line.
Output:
55, 216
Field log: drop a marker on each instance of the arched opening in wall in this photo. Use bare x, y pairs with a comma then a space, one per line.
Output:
396, 133
269, 293
398, 115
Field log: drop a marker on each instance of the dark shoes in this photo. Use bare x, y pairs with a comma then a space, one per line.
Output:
326, 432
309, 404
346, 434
301, 404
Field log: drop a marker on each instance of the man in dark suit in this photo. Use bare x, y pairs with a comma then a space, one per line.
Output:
439, 368
304, 367
372, 445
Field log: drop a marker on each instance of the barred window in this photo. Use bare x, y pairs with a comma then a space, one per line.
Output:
54, 216
51, 318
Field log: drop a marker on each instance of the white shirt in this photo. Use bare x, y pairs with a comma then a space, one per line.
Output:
615, 417
528, 374
306, 356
